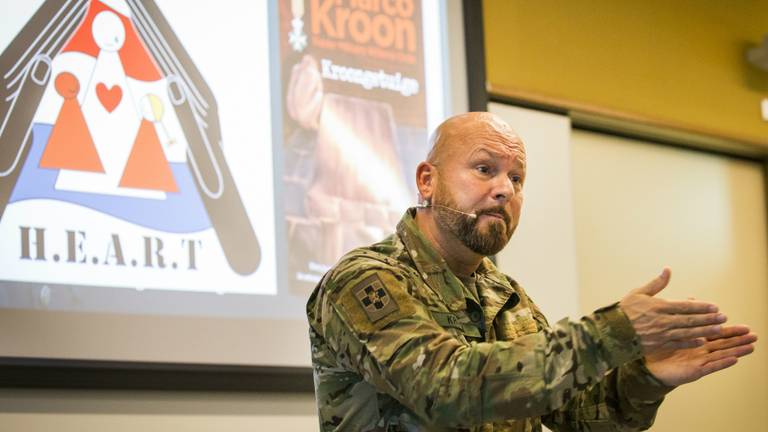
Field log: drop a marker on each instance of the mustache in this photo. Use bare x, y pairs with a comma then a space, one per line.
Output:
496, 211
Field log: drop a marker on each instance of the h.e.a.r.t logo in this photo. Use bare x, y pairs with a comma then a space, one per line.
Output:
105, 121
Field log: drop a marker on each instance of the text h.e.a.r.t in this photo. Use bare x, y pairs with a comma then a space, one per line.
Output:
78, 247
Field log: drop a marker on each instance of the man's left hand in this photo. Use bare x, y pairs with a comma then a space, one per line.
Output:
675, 367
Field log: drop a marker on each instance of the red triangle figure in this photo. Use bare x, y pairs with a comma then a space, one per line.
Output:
70, 145
147, 166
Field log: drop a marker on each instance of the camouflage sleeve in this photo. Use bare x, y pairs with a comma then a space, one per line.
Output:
625, 400
398, 348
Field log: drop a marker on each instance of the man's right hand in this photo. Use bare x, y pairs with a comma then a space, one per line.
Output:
669, 324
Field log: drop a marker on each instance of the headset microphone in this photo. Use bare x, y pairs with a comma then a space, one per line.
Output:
427, 204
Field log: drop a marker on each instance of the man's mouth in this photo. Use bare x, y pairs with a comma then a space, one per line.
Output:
495, 215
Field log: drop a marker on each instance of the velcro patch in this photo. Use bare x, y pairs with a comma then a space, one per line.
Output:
367, 310
374, 298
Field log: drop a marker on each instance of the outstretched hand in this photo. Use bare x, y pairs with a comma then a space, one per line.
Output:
674, 367
663, 324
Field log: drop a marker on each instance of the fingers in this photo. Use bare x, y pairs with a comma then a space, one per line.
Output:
738, 351
698, 320
688, 307
657, 284
718, 365
734, 330
725, 351
676, 336
734, 341
686, 327
694, 332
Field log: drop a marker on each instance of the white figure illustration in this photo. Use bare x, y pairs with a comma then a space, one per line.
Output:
111, 114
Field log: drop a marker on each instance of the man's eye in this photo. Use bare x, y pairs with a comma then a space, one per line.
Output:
483, 169
517, 179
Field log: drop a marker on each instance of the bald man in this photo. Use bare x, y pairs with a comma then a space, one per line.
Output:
421, 332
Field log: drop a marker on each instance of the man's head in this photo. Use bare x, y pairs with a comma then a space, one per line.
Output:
476, 165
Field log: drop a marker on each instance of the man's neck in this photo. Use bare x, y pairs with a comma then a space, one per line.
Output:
460, 260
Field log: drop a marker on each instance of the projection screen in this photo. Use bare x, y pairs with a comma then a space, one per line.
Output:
175, 177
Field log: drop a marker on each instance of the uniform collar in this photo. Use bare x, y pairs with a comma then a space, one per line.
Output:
493, 286
424, 256
429, 263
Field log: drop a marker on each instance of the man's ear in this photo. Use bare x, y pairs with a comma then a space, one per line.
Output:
425, 179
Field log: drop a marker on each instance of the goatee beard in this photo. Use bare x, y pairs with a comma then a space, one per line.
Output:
465, 228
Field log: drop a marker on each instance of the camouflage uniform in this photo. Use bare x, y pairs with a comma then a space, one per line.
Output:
399, 343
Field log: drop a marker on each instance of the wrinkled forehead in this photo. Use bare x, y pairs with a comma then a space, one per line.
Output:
468, 134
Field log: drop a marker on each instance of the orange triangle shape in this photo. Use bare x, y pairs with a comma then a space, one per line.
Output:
147, 167
70, 145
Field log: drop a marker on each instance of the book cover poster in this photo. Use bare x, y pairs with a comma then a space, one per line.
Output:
113, 169
354, 125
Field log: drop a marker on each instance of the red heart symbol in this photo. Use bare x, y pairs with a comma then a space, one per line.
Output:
109, 97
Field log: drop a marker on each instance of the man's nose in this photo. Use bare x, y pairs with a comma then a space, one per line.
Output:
503, 189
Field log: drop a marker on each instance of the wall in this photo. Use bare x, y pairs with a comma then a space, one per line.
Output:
603, 215
123, 411
677, 64
641, 206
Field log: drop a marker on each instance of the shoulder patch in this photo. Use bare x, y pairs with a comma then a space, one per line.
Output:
374, 298
371, 299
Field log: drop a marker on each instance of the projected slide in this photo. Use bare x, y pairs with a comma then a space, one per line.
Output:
201, 163
112, 165
354, 126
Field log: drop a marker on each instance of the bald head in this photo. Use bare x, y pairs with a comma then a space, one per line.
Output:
459, 132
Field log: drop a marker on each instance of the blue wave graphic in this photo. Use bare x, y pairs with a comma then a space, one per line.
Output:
180, 212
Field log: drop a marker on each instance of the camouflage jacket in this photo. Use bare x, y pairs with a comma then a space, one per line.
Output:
399, 343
